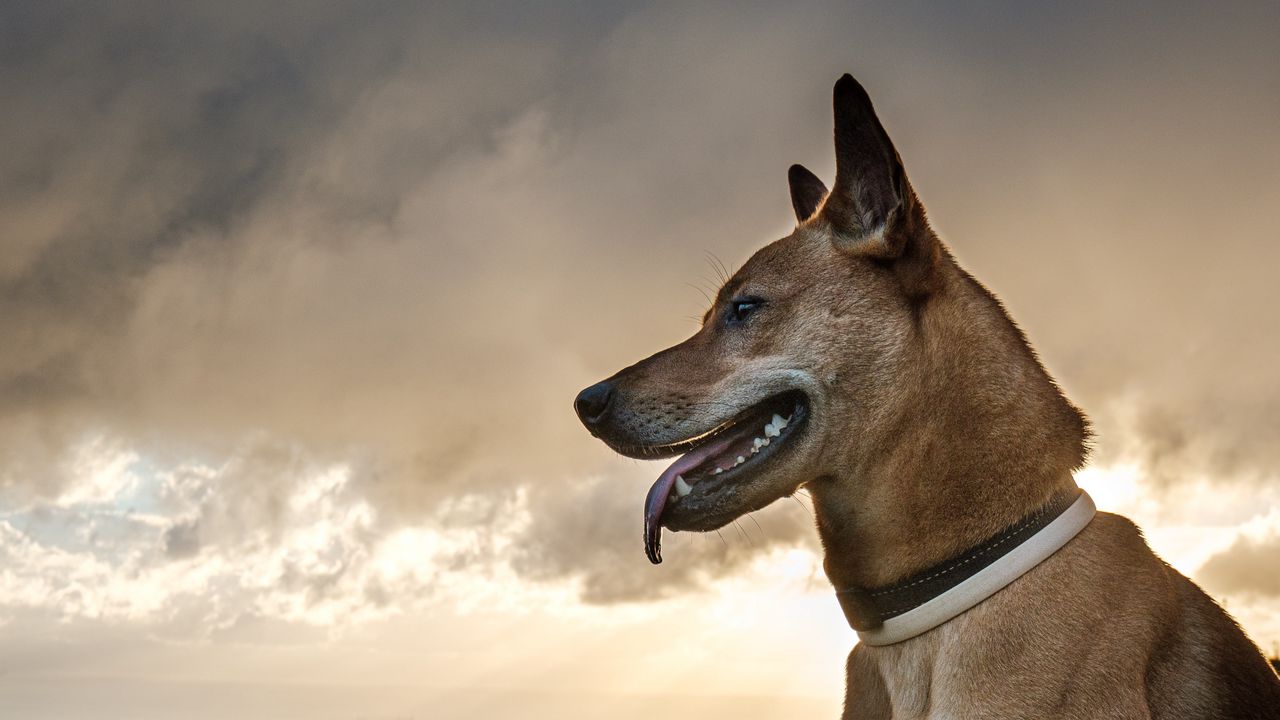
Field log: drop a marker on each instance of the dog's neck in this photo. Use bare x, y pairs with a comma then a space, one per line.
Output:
980, 438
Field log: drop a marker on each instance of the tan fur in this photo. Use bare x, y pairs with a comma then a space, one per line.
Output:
933, 426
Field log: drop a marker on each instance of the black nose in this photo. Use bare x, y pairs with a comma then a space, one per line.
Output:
593, 402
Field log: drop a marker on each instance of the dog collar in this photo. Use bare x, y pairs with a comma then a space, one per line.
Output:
893, 613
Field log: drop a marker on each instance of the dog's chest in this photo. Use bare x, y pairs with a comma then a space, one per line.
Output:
918, 691
914, 680
909, 684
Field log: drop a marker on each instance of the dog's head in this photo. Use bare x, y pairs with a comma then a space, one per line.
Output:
800, 352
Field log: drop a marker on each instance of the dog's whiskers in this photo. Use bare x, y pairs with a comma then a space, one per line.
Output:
716, 266
703, 292
806, 507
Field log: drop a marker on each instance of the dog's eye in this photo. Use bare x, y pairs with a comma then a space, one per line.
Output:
741, 308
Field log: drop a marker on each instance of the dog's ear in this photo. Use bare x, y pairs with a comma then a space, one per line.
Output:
807, 192
872, 210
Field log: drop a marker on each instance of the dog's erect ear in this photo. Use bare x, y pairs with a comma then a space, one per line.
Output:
869, 195
807, 191
872, 209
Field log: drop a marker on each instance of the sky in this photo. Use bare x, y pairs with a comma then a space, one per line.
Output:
295, 298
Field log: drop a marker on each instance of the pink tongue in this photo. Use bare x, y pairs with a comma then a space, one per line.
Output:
656, 501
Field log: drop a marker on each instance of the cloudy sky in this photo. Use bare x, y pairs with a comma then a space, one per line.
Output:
295, 297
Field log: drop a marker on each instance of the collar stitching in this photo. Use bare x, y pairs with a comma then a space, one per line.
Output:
974, 554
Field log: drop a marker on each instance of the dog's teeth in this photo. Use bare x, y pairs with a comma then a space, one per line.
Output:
717, 471
771, 431
778, 422
757, 444
764, 441
682, 487
740, 460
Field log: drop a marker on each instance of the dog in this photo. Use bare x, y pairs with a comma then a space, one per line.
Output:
855, 358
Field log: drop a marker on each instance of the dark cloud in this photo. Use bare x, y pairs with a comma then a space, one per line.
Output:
401, 236
1228, 439
1248, 567
592, 533
182, 539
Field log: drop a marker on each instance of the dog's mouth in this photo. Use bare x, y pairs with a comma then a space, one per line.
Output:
719, 460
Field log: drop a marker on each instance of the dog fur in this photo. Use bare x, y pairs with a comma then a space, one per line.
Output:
931, 426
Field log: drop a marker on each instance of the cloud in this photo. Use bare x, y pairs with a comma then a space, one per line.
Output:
1246, 568
193, 550
591, 532
248, 245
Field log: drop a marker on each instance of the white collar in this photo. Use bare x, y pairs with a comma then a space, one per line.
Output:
982, 584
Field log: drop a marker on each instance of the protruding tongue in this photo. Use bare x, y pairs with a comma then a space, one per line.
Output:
656, 501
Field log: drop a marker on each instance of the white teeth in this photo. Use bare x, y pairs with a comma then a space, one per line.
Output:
717, 471
682, 487
765, 441
774, 428
757, 444
740, 460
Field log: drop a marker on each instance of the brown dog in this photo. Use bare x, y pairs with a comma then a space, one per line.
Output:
856, 358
